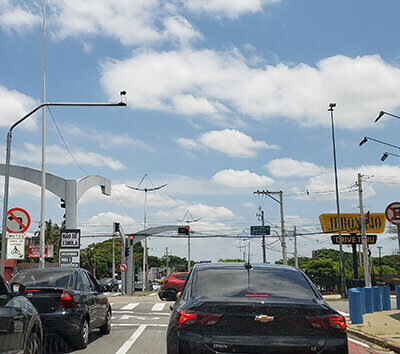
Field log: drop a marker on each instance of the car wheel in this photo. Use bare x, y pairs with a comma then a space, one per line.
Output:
33, 345
81, 340
106, 327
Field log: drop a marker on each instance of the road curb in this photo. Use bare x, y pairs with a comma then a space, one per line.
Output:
369, 337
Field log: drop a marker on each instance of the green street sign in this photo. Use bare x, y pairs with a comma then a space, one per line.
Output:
260, 230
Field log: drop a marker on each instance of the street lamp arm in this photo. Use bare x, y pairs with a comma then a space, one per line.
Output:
378, 141
382, 113
63, 104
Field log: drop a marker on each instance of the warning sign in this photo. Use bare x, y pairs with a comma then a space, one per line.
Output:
15, 248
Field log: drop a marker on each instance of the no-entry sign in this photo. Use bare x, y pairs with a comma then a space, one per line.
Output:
18, 220
392, 213
123, 267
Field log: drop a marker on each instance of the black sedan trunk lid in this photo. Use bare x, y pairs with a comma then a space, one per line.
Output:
46, 300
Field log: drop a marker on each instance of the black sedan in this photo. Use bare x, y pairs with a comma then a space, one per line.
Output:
20, 325
243, 308
69, 300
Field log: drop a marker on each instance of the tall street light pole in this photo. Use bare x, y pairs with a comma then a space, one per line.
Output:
42, 224
342, 274
145, 254
8, 159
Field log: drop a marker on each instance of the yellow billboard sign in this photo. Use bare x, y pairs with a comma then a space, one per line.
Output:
351, 224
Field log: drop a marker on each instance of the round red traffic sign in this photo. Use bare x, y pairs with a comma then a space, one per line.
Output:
123, 267
18, 220
392, 213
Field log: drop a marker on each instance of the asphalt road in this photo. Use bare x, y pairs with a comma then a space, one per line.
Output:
139, 326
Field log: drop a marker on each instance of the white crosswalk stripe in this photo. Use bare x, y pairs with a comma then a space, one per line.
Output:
130, 306
158, 307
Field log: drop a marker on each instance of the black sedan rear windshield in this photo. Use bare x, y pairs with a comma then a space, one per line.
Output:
51, 279
238, 282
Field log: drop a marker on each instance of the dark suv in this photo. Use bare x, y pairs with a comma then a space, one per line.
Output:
172, 285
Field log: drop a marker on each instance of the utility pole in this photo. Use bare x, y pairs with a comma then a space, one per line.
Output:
166, 256
263, 239
367, 274
296, 263
283, 236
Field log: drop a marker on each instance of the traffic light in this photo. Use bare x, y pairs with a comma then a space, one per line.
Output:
126, 251
116, 227
184, 230
131, 240
62, 203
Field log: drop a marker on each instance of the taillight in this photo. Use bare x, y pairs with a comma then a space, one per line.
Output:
66, 301
188, 318
329, 322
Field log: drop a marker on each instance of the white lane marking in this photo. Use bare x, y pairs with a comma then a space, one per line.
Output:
142, 313
345, 314
130, 306
153, 294
127, 317
360, 343
137, 324
132, 339
158, 307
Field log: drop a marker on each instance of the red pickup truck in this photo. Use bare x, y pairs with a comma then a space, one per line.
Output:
172, 285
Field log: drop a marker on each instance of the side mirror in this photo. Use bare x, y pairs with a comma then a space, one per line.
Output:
18, 289
103, 288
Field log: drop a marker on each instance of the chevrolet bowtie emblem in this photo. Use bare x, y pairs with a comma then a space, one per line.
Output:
264, 318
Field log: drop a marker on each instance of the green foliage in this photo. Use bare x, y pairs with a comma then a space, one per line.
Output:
231, 260
324, 272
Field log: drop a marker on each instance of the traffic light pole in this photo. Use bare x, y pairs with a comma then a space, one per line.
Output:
130, 273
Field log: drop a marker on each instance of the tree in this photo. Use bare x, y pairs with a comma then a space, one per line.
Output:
324, 272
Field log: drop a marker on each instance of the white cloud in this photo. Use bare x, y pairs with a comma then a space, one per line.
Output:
229, 141
249, 205
58, 155
292, 168
170, 81
189, 144
14, 105
233, 143
241, 179
17, 18
229, 8
179, 27
130, 22
108, 140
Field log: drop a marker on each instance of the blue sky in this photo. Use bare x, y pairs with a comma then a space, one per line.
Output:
224, 97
